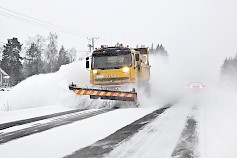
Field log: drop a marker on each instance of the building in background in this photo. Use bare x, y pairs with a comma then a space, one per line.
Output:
4, 79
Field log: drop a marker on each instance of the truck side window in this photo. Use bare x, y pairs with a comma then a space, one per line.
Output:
133, 59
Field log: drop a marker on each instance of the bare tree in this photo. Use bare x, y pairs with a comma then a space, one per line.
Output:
51, 51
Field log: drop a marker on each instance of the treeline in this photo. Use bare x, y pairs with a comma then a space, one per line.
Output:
229, 68
39, 55
159, 49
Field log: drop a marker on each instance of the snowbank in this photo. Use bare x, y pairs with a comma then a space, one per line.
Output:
218, 126
46, 89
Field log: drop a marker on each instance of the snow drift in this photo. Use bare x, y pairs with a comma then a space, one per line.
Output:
46, 89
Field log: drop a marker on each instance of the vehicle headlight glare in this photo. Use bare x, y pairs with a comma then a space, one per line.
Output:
125, 69
95, 71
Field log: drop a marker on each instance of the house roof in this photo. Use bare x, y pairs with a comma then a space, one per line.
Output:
3, 72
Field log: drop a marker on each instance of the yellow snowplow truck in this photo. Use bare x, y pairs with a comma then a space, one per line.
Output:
115, 72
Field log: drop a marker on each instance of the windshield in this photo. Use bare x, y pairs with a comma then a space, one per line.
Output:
109, 61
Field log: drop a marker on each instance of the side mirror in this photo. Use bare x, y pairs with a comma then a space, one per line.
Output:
137, 57
87, 63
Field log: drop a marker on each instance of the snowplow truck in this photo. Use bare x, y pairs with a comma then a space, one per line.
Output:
114, 72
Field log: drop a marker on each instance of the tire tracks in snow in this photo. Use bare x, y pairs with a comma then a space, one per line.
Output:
30, 120
47, 124
187, 145
104, 146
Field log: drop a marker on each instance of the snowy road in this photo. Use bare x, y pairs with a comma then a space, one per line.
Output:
160, 138
107, 144
157, 139
34, 119
23, 128
64, 140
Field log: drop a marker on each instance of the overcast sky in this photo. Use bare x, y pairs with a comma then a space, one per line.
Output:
201, 31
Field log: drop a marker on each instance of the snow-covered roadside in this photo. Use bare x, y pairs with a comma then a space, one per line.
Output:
157, 139
218, 126
47, 89
63, 140
1, 94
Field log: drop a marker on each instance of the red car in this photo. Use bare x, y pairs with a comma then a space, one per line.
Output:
195, 85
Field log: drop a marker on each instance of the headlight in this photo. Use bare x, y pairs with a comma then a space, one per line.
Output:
125, 69
94, 71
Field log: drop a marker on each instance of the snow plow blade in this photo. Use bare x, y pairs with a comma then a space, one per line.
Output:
105, 94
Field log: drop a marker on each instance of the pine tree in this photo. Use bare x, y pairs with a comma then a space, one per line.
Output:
229, 67
1, 50
41, 45
63, 58
33, 60
161, 48
157, 49
11, 60
151, 49
163, 51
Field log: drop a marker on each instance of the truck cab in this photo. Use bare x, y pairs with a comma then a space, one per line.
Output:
119, 65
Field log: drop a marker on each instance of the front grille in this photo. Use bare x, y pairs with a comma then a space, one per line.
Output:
112, 79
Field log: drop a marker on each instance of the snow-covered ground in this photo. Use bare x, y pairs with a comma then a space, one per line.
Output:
64, 140
48, 93
218, 125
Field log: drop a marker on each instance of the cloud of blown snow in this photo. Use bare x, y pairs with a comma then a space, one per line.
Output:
46, 89
216, 103
169, 79
52, 89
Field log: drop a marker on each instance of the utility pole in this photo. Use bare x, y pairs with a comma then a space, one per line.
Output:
92, 45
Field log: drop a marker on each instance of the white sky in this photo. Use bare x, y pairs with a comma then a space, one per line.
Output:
199, 31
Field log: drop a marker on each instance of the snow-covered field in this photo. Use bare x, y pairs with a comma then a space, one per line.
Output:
48, 93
